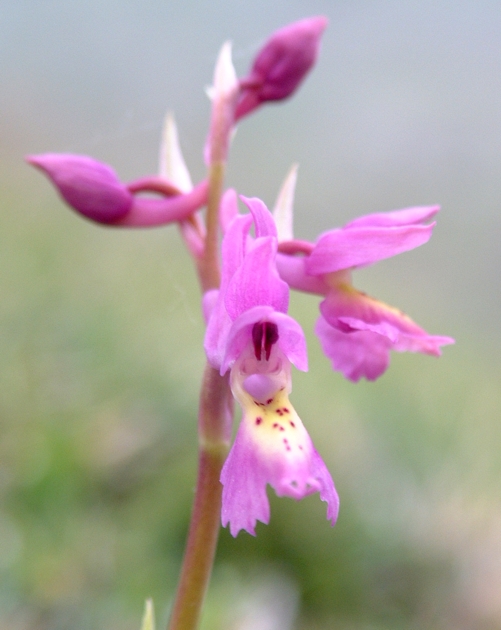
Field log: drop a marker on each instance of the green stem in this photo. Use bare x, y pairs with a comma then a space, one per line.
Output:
214, 434
209, 267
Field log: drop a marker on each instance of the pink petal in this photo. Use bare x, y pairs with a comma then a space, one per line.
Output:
263, 219
355, 354
219, 321
234, 247
397, 218
218, 327
356, 247
370, 328
256, 282
244, 487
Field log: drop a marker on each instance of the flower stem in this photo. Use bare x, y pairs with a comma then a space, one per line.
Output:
209, 267
214, 434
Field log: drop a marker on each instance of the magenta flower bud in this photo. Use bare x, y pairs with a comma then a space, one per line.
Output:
282, 64
90, 187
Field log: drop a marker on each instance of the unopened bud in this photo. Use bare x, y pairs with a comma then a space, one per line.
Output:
281, 64
90, 187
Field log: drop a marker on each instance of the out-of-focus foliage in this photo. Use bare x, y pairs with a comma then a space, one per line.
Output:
100, 364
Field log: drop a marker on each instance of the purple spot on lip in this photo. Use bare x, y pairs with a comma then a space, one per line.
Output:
259, 420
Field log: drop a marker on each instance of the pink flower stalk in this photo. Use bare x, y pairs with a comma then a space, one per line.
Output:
250, 333
281, 64
94, 191
356, 331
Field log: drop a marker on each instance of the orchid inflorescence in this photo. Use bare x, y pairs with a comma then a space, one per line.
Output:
249, 334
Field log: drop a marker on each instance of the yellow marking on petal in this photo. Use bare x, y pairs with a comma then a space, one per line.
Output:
275, 424
340, 280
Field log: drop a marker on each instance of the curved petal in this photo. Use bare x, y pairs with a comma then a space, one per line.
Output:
355, 354
219, 321
397, 218
256, 282
360, 246
365, 323
234, 247
263, 219
218, 327
244, 487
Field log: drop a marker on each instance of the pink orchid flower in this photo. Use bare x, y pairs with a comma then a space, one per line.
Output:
356, 331
250, 334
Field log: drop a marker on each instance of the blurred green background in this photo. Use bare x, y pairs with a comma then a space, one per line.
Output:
101, 331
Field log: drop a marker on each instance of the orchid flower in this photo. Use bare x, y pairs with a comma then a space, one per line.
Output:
250, 334
356, 331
